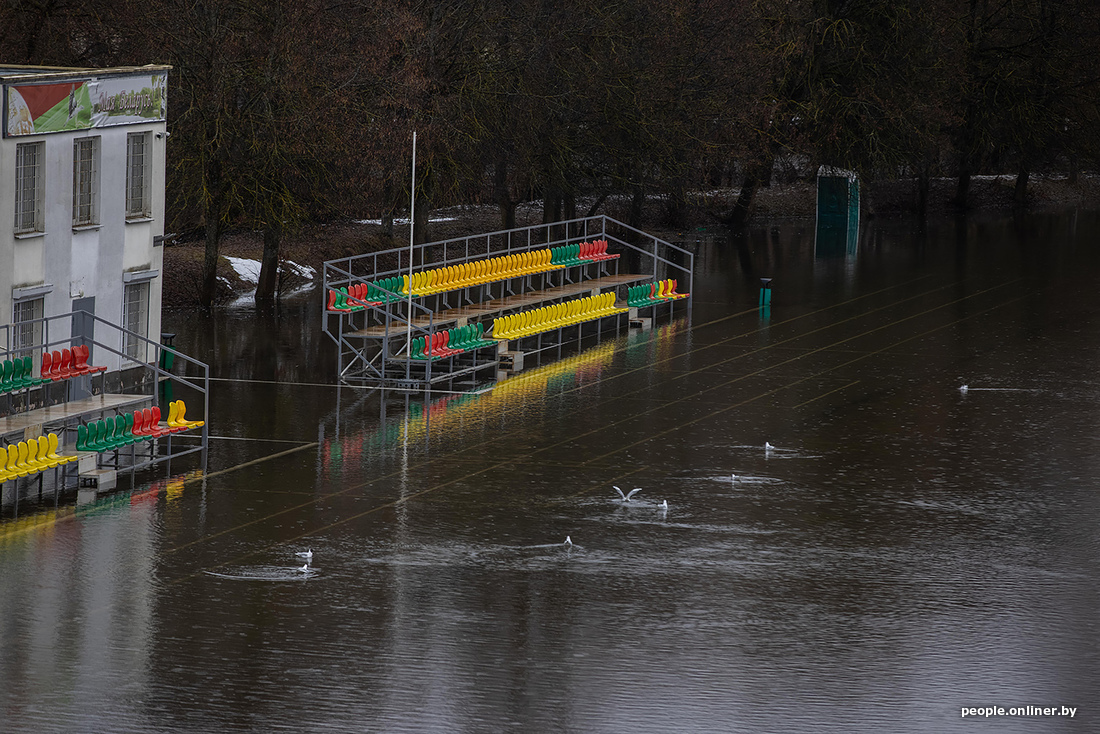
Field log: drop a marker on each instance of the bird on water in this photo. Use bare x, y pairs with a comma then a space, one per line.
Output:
626, 497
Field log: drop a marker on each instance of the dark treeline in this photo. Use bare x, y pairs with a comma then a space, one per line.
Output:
288, 111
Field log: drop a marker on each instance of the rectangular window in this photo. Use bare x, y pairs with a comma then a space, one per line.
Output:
26, 328
85, 181
135, 318
137, 176
28, 187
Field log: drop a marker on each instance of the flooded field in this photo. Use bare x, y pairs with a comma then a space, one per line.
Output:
865, 509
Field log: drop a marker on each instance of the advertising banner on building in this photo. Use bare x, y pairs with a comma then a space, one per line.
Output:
34, 109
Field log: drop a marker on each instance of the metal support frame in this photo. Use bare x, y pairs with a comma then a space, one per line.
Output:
188, 372
377, 360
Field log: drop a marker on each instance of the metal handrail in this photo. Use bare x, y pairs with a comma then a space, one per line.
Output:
364, 268
200, 383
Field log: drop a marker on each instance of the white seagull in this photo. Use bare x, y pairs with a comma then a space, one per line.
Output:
307, 554
568, 541
768, 446
305, 568
626, 497
663, 505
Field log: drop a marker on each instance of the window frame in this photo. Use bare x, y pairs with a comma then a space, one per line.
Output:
132, 347
35, 171
86, 160
27, 330
138, 175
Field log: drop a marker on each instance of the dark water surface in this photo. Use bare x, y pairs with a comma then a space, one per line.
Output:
906, 550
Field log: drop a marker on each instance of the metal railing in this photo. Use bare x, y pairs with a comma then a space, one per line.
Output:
137, 375
360, 362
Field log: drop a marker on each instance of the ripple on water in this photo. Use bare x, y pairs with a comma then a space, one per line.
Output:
265, 573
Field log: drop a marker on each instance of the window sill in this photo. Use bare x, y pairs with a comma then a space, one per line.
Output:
85, 227
136, 220
28, 235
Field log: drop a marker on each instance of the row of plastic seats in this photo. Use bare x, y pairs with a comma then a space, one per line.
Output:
360, 295
479, 272
527, 323
452, 341
649, 294
581, 254
464, 275
65, 363
596, 251
18, 373
141, 425
31, 457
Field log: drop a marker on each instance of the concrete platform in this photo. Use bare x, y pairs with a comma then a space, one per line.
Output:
41, 419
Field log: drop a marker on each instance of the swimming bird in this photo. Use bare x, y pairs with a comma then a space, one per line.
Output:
307, 554
568, 541
663, 505
963, 389
733, 477
305, 568
626, 497
768, 446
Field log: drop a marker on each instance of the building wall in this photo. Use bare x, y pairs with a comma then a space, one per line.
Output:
86, 261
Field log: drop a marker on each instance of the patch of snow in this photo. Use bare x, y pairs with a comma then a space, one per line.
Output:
303, 271
405, 220
247, 270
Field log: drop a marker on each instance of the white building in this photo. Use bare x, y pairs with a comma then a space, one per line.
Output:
82, 163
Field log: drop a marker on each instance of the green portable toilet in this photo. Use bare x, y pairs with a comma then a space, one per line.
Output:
837, 231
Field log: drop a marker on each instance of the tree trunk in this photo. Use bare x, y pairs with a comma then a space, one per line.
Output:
212, 211
962, 191
596, 205
740, 212
503, 197
387, 212
420, 223
269, 264
569, 206
210, 261
924, 182
1019, 193
551, 205
676, 209
637, 206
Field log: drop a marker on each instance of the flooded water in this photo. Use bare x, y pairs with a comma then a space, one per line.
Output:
905, 550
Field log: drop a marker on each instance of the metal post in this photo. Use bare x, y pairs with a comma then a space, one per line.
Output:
412, 229
765, 292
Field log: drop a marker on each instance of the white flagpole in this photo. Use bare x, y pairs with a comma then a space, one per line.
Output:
412, 227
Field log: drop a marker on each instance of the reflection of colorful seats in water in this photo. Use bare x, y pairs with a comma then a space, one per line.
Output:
46, 519
453, 413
